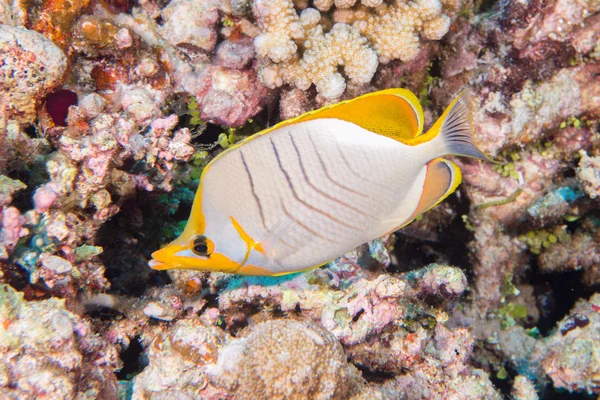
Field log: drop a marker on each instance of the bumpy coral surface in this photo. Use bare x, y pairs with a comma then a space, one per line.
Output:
343, 46
49, 353
571, 356
177, 360
286, 359
32, 66
392, 32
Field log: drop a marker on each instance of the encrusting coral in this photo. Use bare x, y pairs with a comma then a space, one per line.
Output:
570, 357
32, 66
48, 352
285, 359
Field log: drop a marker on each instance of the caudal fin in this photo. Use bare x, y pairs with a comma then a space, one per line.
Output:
456, 129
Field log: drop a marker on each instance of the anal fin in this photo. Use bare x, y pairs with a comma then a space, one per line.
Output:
441, 179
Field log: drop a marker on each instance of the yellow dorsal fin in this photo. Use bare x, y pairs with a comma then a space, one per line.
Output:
395, 113
442, 178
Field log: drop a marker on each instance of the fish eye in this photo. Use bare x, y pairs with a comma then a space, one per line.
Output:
201, 246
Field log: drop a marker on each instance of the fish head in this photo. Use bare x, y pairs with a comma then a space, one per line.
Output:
197, 252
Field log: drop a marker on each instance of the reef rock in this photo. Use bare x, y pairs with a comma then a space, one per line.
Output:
286, 359
47, 352
32, 66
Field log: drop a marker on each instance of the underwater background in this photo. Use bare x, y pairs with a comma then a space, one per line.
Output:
110, 109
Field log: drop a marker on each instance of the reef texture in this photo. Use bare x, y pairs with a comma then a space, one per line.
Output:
109, 111
571, 356
50, 353
358, 38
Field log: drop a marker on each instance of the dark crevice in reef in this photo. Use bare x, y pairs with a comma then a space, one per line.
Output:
505, 385
128, 240
552, 393
448, 247
556, 295
209, 136
33, 176
435, 70
102, 314
134, 360
486, 6
374, 376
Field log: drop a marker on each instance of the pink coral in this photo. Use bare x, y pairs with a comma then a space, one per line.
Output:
228, 96
44, 197
12, 227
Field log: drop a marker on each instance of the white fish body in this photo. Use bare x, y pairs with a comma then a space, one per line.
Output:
307, 192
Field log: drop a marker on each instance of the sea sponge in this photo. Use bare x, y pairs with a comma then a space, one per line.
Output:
286, 359
324, 52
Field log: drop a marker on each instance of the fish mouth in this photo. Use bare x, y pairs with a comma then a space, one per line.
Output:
162, 259
157, 265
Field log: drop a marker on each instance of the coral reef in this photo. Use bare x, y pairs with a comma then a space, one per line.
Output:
254, 364
571, 357
32, 67
177, 362
109, 111
51, 353
341, 46
588, 174
393, 31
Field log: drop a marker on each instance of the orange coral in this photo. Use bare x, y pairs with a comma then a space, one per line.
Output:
54, 19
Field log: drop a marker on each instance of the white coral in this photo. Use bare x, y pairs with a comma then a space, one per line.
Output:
280, 25
342, 46
394, 30
325, 5
362, 34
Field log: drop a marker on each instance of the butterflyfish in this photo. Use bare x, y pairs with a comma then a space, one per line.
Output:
308, 190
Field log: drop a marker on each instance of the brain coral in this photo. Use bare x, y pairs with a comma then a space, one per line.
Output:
286, 359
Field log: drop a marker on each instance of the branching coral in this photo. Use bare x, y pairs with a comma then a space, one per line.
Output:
342, 46
394, 30
280, 26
